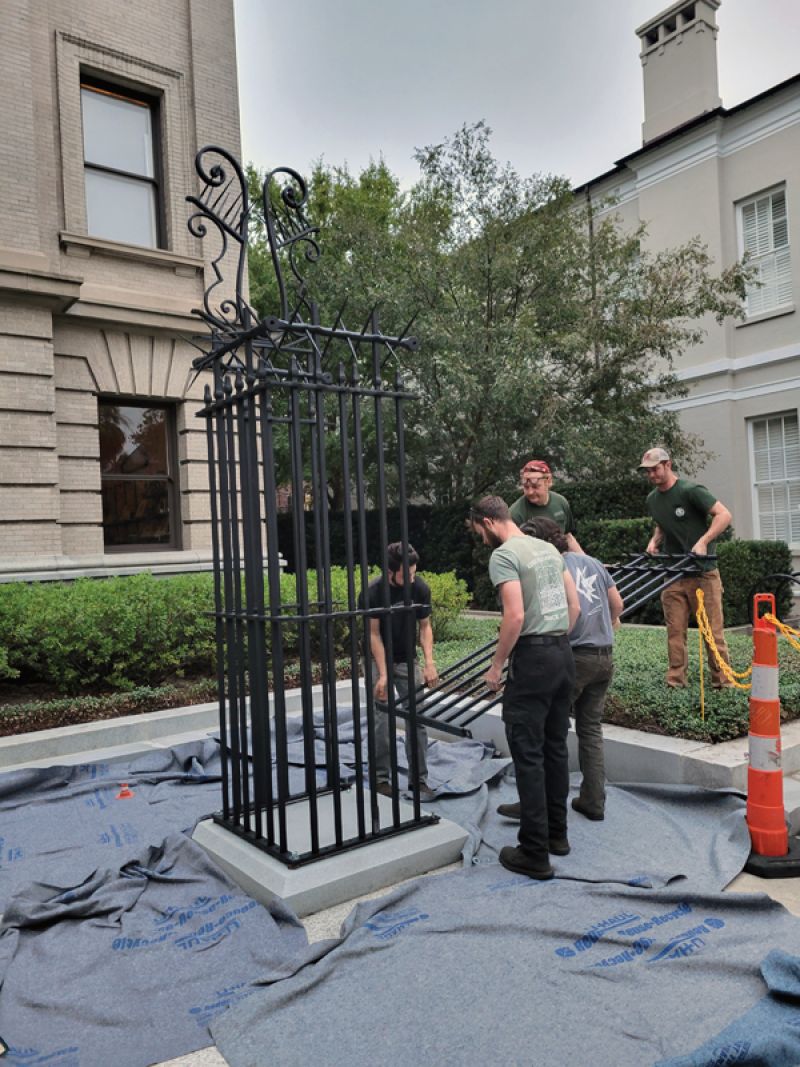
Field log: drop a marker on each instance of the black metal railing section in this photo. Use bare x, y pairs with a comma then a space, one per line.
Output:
461, 696
301, 406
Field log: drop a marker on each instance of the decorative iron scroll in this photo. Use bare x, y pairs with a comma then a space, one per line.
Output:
295, 330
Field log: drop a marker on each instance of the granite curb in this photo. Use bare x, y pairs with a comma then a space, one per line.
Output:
631, 755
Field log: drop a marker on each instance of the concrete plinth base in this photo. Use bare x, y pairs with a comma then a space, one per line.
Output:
337, 878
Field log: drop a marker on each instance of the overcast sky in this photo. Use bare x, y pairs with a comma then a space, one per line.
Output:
559, 81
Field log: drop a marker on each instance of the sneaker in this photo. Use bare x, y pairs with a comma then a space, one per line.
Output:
385, 789
509, 811
514, 859
426, 794
589, 813
558, 846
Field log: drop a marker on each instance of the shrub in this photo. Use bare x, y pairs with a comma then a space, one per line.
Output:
613, 540
449, 598
623, 498
127, 632
120, 632
742, 567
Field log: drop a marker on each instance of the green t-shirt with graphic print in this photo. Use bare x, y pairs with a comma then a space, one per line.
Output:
681, 514
539, 568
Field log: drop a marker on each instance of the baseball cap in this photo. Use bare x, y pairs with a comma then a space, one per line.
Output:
535, 466
654, 456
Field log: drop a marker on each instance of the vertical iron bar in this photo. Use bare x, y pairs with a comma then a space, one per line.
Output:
222, 395
358, 455
254, 600
410, 617
301, 578
212, 417
275, 607
350, 564
324, 594
237, 659
384, 539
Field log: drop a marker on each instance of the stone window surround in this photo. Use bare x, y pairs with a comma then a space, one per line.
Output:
75, 55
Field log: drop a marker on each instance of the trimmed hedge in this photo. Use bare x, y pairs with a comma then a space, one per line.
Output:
121, 633
438, 534
623, 498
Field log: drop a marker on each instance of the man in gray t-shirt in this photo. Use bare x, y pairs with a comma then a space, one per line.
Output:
539, 606
592, 640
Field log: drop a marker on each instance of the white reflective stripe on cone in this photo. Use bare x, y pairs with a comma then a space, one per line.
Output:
765, 683
765, 753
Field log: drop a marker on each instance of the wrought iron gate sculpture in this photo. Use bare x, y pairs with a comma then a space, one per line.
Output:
288, 381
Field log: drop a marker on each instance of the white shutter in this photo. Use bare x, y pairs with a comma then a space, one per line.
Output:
765, 237
775, 442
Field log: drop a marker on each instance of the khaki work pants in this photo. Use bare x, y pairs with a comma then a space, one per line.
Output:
679, 602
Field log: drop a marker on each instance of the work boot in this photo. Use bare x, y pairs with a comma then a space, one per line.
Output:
596, 815
514, 859
426, 794
558, 846
385, 789
509, 811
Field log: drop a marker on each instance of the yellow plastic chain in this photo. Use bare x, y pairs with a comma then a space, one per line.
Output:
700, 660
704, 627
788, 632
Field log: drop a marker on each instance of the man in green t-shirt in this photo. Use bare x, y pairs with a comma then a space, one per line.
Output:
540, 606
681, 511
539, 501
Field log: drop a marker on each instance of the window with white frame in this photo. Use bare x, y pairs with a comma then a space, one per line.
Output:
764, 235
775, 445
120, 164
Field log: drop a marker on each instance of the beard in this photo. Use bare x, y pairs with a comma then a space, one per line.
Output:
492, 539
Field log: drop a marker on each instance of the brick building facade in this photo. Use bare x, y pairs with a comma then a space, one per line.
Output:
102, 462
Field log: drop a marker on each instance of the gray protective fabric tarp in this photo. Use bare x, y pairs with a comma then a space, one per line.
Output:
651, 835
62, 823
484, 967
454, 767
59, 824
128, 968
766, 1036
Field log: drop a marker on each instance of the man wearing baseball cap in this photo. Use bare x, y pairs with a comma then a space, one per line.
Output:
539, 501
682, 510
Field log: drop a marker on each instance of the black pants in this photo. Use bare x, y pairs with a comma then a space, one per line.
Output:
536, 707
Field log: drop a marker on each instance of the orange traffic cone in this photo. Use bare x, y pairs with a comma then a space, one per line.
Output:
125, 793
771, 856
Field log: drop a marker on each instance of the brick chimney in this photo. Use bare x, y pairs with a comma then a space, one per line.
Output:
679, 65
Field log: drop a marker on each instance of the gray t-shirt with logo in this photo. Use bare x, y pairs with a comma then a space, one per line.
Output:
593, 628
539, 569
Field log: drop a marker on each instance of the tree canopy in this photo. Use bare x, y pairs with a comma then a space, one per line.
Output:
546, 328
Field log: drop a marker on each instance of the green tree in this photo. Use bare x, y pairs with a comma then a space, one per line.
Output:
545, 329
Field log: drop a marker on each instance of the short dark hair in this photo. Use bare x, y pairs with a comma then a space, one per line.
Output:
490, 507
546, 530
394, 555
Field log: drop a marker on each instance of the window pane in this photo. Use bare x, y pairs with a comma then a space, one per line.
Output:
133, 440
121, 209
117, 133
135, 512
776, 454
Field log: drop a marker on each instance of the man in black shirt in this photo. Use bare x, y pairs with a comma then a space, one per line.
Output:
393, 627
